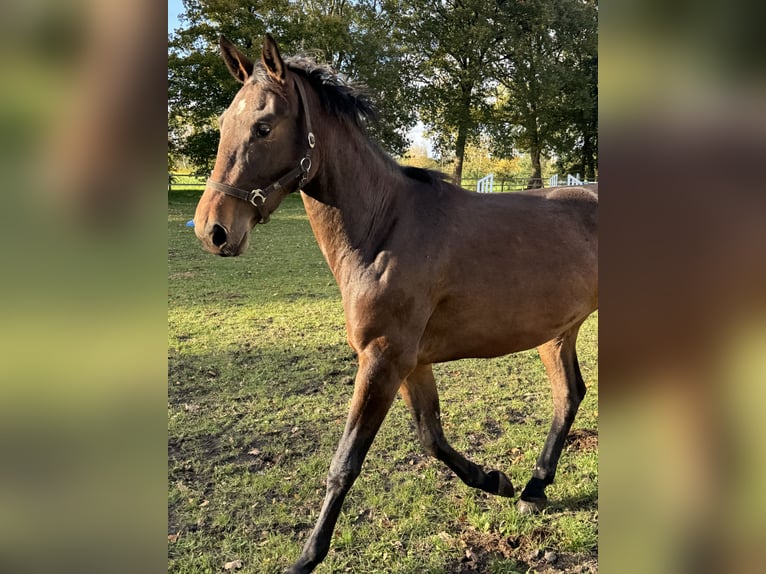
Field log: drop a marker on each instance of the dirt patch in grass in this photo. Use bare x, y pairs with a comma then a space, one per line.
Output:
482, 549
492, 429
582, 440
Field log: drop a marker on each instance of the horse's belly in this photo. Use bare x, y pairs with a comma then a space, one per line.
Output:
490, 331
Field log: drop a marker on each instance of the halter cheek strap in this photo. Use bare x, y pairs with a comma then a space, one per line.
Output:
257, 197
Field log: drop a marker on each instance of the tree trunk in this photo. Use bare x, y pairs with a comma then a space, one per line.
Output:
463, 127
588, 163
462, 135
537, 172
535, 150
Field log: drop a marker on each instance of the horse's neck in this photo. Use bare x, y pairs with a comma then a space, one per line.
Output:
350, 200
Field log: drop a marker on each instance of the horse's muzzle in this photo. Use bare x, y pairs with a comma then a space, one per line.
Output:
216, 239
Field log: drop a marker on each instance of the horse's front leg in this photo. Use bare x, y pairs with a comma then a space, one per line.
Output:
377, 381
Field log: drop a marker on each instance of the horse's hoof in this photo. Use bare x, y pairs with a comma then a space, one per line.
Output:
504, 486
531, 505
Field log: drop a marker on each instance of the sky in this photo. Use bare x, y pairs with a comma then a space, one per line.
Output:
175, 7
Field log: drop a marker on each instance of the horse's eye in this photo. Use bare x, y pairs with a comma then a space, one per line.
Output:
262, 131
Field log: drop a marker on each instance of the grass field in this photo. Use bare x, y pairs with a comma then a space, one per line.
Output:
259, 380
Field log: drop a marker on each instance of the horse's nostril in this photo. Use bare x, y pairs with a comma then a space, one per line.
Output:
219, 235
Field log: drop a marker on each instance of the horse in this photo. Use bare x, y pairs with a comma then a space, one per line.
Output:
428, 272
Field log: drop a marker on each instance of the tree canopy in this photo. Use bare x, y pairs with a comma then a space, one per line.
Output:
521, 74
353, 37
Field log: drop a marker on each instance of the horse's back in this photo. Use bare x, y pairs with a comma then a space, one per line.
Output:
587, 192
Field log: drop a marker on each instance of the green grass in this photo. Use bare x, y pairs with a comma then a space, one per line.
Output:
259, 380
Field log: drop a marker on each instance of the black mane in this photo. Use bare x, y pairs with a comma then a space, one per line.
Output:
338, 97
424, 175
347, 101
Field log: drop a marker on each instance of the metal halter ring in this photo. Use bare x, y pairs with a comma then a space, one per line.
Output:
312, 140
306, 164
256, 194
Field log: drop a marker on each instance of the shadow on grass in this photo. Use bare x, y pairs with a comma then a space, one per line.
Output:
218, 402
255, 369
587, 501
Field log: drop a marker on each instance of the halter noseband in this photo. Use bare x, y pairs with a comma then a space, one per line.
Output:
257, 197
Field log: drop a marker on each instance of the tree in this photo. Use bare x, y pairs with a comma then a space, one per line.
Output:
356, 38
576, 144
547, 102
452, 44
523, 73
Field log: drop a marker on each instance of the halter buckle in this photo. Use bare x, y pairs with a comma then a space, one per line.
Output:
312, 140
256, 194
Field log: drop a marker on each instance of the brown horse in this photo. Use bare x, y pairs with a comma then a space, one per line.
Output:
428, 272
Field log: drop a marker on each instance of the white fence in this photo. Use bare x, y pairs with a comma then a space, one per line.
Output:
485, 184
571, 180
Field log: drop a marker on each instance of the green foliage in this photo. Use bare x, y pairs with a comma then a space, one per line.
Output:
523, 74
481, 160
547, 99
356, 38
452, 44
259, 379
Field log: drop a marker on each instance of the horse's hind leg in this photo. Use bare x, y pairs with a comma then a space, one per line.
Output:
560, 359
420, 394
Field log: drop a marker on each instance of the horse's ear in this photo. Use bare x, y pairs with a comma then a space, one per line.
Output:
239, 65
271, 59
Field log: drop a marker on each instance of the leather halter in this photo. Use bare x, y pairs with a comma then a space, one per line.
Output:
257, 197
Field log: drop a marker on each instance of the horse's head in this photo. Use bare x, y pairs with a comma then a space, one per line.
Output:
264, 152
